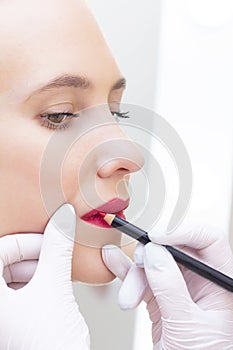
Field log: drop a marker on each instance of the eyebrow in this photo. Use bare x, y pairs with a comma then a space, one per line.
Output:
76, 81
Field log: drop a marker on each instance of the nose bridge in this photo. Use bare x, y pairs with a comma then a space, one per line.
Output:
113, 148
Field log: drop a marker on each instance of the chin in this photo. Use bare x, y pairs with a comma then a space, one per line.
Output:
88, 266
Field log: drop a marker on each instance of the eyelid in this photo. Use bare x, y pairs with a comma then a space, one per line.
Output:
58, 104
114, 105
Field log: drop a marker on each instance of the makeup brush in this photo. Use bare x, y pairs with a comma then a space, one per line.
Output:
192, 264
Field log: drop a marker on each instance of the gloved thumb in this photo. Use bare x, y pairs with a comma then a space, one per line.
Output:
134, 281
167, 283
55, 259
116, 261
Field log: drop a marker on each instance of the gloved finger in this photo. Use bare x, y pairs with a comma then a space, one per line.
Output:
116, 261
155, 317
134, 280
167, 283
17, 247
3, 285
20, 272
139, 255
133, 288
198, 237
54, 265
195, 236
16, 285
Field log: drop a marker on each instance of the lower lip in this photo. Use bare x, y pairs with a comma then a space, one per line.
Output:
98, 220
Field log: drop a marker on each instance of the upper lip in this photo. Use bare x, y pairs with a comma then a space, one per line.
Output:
114, 206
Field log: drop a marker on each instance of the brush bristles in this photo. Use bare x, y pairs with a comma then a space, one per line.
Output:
109, 218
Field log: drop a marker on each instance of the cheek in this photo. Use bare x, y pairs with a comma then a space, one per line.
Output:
20, 161
20, 156
69, 178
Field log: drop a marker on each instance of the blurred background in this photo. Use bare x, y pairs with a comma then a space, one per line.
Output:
177, 56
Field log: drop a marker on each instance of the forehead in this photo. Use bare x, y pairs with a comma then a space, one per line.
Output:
42, 39
33, 22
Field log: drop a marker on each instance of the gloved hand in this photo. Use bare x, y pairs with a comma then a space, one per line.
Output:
19, 254
43, 315
186, 310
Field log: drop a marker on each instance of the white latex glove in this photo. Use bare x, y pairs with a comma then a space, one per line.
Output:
186, 310
43, 315
19, 254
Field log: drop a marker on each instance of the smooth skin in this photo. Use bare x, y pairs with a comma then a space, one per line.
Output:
39, 42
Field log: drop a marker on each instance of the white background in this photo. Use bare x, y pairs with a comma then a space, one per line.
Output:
177, 56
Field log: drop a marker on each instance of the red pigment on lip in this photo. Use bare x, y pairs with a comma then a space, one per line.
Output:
98, 219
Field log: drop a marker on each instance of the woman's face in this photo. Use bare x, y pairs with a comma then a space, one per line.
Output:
45, 46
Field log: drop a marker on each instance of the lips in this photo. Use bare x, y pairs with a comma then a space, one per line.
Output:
115, 206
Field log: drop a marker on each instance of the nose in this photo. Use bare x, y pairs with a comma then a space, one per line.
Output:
119, 155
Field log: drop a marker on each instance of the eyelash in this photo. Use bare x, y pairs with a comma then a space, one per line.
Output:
67, 115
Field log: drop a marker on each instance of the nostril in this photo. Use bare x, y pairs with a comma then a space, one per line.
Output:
123, 169
109, 168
